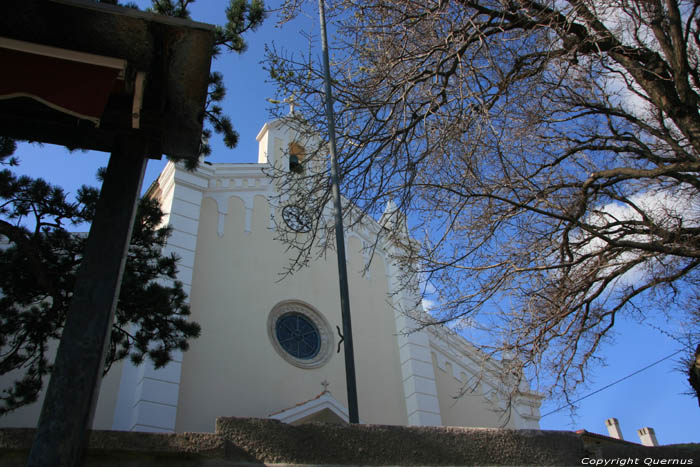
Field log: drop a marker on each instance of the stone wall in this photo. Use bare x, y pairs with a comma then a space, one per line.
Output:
249, 441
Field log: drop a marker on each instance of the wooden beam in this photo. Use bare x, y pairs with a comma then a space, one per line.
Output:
67, 413
64, 54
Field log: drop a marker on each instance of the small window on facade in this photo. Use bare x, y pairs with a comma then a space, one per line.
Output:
296, 156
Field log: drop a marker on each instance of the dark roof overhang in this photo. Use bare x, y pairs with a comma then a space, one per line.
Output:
82, 74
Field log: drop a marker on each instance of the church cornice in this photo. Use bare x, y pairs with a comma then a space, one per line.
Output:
464, 357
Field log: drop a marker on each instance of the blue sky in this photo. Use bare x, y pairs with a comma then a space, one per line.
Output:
652, 398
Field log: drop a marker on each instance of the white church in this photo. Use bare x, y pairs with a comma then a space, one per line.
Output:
268, 348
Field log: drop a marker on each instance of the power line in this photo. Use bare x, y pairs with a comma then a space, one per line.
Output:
612, 384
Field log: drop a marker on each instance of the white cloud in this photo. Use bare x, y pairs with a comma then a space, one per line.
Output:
428, 305
667, 208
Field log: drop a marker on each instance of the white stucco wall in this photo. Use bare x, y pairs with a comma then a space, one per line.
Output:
463, 401
28, 415
470, 389
233, 368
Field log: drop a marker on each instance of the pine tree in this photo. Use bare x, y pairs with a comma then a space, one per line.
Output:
241, 16
39, 258
37, 274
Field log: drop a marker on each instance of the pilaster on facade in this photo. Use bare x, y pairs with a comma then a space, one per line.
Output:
528, 408
147, 399
417, 372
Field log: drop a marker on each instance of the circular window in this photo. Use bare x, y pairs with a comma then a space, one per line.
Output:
296, 218
300, 334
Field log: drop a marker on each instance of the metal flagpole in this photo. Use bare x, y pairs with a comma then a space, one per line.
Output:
339, 235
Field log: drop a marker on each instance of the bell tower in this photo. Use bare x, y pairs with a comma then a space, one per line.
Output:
286, 148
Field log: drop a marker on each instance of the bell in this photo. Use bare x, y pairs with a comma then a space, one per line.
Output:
294, 165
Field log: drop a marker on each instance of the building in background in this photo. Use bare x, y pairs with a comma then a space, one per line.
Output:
269, 344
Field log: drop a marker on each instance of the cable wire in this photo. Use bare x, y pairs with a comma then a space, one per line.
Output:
612, 384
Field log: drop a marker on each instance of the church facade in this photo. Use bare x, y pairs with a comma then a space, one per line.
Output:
269, 345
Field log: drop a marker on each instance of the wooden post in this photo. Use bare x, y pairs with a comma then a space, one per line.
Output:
69, 406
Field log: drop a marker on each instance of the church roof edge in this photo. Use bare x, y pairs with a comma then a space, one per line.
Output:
267, 126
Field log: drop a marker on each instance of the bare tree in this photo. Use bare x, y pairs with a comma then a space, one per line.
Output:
546, 155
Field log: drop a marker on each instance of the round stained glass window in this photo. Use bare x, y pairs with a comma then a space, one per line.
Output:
298, 336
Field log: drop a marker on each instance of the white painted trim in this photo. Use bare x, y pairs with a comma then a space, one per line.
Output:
449, 346
419, 385
465, 359
266, 127
139, 405
325, 401
222, 199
